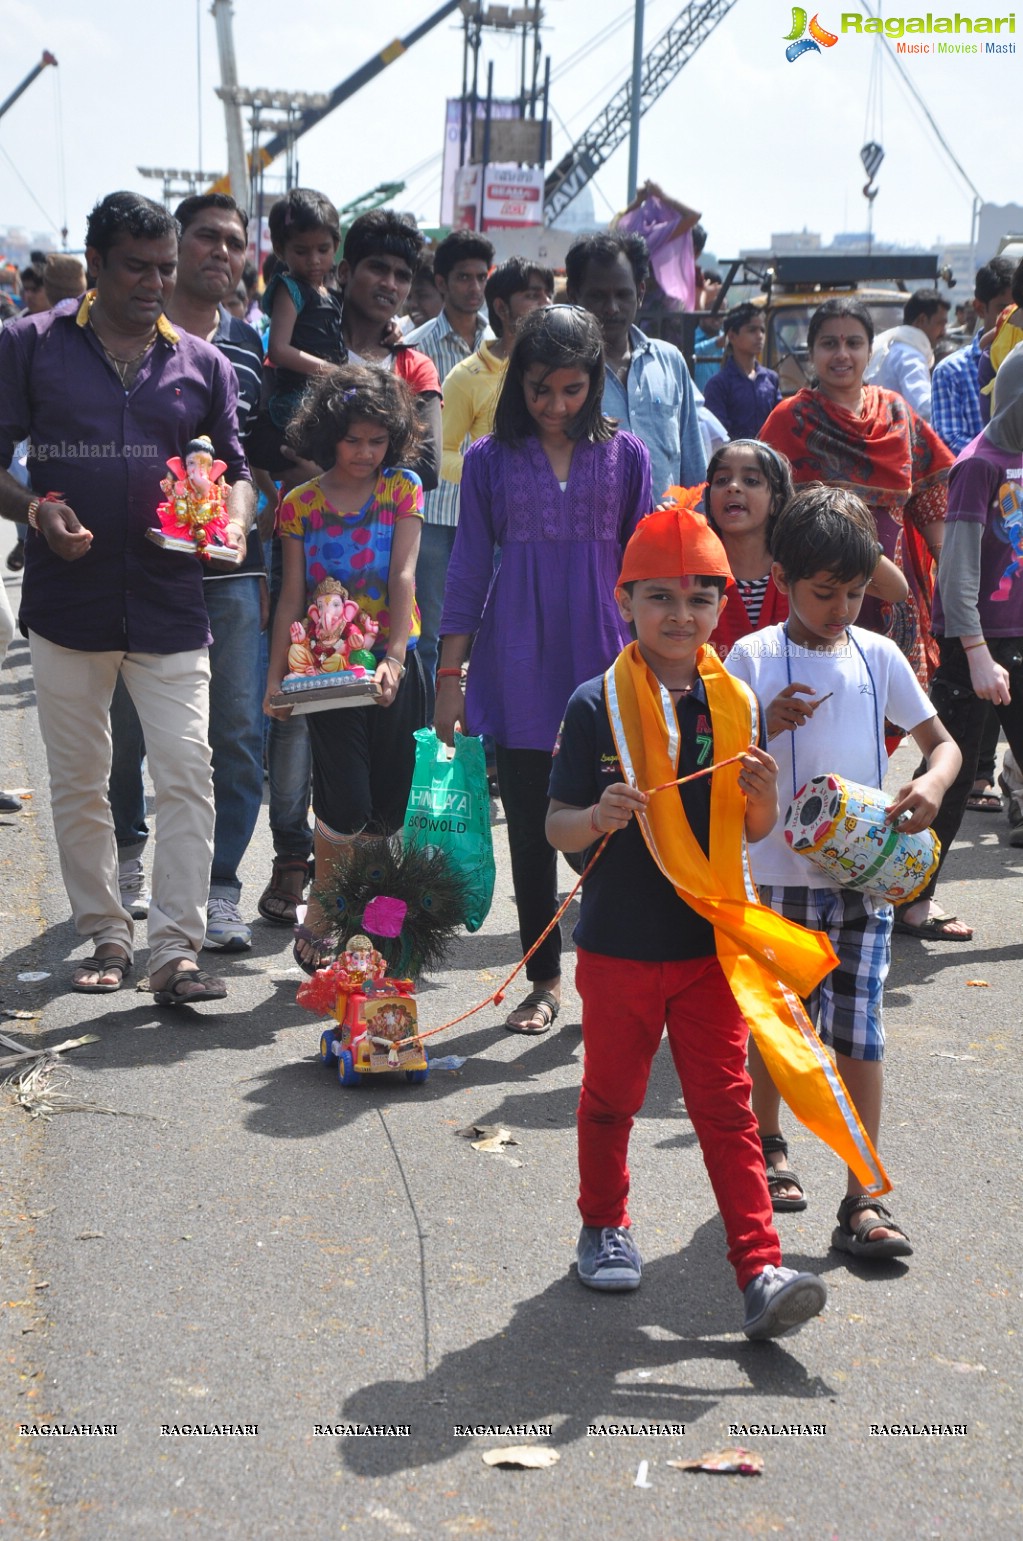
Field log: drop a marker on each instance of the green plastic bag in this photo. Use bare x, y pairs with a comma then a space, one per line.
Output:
449, 810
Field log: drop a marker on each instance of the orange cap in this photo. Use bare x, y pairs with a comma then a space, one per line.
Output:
675, 542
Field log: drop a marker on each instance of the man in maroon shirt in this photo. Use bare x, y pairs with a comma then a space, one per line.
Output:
107, 395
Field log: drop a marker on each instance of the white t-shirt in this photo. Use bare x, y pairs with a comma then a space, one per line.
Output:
870, 680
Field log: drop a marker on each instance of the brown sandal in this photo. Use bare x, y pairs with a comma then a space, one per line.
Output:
277, 903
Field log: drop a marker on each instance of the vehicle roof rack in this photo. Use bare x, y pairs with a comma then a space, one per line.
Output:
855, 268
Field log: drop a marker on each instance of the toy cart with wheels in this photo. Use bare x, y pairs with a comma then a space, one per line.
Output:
372, 1023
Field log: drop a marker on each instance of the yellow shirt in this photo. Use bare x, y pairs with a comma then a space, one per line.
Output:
470, 396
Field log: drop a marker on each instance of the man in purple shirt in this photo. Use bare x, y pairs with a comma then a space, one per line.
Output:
107, 395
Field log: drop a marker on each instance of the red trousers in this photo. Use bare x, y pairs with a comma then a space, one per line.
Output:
625, 1008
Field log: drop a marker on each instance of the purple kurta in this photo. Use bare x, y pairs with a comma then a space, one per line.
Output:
546, 621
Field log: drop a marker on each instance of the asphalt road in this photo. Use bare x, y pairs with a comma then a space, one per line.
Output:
241, 1241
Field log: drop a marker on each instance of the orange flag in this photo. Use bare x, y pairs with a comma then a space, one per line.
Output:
769, 961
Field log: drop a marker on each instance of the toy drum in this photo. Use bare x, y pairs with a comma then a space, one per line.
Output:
841, 827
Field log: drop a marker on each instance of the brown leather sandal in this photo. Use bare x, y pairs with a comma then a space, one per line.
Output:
277, 903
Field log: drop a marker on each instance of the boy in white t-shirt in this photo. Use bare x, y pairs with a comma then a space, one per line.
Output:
825, 550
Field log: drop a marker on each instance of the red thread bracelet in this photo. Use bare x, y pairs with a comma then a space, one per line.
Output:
449, 674
593, 819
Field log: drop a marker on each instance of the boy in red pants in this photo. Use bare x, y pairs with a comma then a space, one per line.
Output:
645, 955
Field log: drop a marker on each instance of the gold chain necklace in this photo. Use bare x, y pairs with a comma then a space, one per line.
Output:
122, 366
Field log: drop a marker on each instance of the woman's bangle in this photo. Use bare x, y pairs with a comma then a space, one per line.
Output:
593, 819
449, 674
969, 646
390, 658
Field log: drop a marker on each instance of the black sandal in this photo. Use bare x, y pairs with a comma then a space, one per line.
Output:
780, 1176
117, 962
857, 1242
537, 1001
284, 902
210, 988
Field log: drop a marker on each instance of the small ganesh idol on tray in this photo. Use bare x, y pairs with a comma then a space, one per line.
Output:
330, 660
193, 515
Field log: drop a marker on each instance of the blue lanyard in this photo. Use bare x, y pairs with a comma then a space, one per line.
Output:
873, 693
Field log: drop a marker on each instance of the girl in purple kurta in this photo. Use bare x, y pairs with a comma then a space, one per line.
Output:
558, 490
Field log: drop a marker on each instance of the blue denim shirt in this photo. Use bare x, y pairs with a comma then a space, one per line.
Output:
658, 406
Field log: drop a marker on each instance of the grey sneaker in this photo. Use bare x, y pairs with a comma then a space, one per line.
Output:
781, 1298
131, 882
225, 929
1013, 808
608, 1258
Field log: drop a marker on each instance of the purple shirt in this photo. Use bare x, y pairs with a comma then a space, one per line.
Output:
546, 620
985, 494
105, 450
741, 404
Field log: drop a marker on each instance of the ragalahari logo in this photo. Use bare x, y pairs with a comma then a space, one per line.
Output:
798, 41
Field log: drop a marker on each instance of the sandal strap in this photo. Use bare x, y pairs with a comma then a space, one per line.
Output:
97, 965
783, 1174
854, 1201
774, 1144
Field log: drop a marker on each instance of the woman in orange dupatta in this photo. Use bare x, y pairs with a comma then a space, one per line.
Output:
848, 434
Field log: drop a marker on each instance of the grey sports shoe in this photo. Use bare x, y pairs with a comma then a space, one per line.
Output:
225, 929
1014, 806
607, 1258
779, 1299
131, 883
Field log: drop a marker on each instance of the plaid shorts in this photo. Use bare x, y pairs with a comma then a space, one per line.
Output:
846, 1006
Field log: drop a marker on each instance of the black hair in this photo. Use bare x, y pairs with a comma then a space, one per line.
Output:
512, 277
424, 270
31, 275
127, 214
741, 315
711, 276
382, 232
605, 249
775, 468
923, 302
993, 279
189, 209
299, 212
353, 393
557, 337
250, 276
825, 530
841, 305
1017, 284
461, 246
271, 264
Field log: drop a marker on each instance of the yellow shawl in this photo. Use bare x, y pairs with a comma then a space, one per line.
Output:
769, 962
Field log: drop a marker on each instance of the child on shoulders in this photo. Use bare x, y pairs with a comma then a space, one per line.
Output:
304, 306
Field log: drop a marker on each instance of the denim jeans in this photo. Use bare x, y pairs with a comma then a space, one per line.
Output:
289, 760
236, 738
435, 547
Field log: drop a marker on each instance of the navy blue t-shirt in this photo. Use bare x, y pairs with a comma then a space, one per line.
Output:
628, 908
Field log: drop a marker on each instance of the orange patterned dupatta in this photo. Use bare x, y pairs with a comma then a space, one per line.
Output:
768, 961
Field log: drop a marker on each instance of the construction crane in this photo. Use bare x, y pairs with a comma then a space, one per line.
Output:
673, 49
32, 74
304, 121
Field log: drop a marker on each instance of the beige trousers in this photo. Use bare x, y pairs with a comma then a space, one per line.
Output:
171, 695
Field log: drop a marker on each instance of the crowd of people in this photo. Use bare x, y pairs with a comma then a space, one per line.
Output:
538, 529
